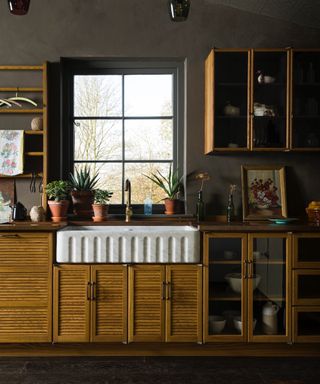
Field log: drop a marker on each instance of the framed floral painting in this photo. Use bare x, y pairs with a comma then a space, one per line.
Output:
263, 192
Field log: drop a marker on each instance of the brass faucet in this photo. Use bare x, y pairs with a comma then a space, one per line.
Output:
127, 191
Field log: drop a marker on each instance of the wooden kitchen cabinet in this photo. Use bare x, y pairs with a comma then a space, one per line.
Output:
262, 100
243, 275
306, 292
165, 303
90, 303
25, 284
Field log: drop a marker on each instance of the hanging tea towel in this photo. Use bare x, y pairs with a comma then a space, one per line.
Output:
11, 152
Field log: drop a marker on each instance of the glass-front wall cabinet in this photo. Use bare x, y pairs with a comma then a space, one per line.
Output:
269, 102
306, 100
247, 293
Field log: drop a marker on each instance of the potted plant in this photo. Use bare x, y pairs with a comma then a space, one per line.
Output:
100, 205
82, 191
172, 186
58, 192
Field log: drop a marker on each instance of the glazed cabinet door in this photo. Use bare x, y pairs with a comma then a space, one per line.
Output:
269, 287
306, 252
109, 303
25, 284
72, 295
147, 290
184, 303
225, 287
227, 95
270, 99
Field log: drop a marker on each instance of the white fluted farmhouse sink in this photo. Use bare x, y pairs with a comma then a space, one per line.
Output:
128, 244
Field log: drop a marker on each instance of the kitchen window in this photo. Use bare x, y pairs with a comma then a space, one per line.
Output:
124, 120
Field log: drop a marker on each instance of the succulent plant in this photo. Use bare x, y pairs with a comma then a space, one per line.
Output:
102, 196
82, 180
58, 190
171, 185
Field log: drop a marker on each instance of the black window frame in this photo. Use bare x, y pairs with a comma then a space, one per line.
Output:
95, 66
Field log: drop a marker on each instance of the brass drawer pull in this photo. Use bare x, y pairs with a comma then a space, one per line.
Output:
93, 291
164, 291
88, 291
169, 297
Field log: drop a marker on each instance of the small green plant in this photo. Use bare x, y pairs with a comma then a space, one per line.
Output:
82, 180
102, 196
171, 184
58, 190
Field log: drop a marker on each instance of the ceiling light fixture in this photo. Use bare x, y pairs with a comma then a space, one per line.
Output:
19, 7
179, 9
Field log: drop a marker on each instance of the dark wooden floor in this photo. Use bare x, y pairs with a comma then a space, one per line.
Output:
153, 370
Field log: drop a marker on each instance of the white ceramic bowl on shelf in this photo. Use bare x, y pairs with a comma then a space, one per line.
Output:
237, 322
235, 281
216, 324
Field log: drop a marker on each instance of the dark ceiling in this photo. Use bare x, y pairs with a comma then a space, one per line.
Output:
302, 12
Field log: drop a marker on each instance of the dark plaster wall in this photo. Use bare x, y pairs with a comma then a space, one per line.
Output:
142, 28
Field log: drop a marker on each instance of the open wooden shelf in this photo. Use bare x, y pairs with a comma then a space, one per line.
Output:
30, 132
34, 153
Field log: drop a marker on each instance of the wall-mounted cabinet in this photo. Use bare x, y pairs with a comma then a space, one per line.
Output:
247, 287
30, 82
261, 100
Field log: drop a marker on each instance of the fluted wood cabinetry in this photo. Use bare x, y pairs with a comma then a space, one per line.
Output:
90, 303
25, 285
165, 303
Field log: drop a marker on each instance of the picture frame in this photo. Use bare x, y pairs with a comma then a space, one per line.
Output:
263, 192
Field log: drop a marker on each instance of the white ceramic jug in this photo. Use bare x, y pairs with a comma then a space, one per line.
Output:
270, 318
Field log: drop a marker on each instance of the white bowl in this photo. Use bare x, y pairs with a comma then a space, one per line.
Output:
229, 315
229, 255
237, 322
268, 79
216, 324
235, 281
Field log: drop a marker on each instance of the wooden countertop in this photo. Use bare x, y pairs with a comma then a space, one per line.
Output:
29, 226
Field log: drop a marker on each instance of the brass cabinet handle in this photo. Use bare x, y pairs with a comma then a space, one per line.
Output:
245, 267
250, 269
9, 236
169, 297
93, 291
164, 291
88, 290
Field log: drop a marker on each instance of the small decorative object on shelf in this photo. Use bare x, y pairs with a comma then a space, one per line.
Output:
230, 206
100, 206
231, 110
147, 209
200, 207
37, 124
37, 213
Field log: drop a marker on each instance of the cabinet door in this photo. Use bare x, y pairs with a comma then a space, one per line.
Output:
270, 99
146, 302
109, 303
225, 287
227, 100
306, 283
184, 303
305, 100
25, 284
306, 324
306, 252
269, 287
71, 303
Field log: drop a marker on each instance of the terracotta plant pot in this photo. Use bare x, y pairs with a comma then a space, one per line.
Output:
82, 203
100, 212
173, 206
58, 210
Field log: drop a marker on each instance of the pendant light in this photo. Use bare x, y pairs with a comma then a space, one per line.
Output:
179, 9
18, 7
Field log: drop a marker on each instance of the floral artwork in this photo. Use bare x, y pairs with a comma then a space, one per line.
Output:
11, 152
263, 192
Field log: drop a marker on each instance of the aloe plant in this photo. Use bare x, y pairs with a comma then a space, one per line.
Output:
171, 184
82, 180
102, 196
